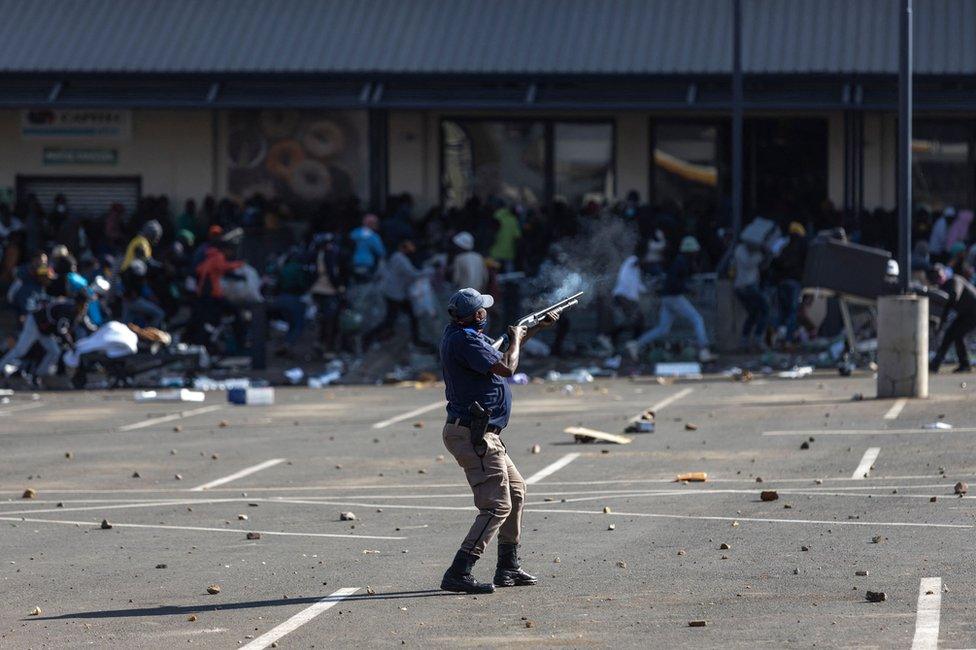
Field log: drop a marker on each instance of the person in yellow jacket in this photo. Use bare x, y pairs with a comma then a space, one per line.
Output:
140, 247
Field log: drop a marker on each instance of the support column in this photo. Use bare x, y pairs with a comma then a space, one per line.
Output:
903, 346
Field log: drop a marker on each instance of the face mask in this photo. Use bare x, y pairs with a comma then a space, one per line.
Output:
481, 325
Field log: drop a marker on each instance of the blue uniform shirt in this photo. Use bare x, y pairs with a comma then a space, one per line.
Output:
466, 357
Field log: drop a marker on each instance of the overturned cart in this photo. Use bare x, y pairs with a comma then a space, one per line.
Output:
856, 276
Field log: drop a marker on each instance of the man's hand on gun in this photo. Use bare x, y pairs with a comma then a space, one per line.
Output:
521, 333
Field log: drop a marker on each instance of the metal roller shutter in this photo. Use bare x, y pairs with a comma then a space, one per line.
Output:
87, 195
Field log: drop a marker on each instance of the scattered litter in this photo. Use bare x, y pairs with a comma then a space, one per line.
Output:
607, 510
29, 493
253, 536
621, 564
181, 395
692, 477
690, 426
294, 375
804, 548
877, 539
961, 488
418, 425
584, 435
242, 517
797, 372
347, 516
136, 475
681, 551
529, 624
36, 611
804, 445
519, 379
933, 499
160, 566
643, 423
69, 455
325, 379
759, 479
875, 596
536, 449
206, 383
178, 477
769, 495
192, 618
439, 458
368, 551
251, 396
724, 547
688, 370
940, 426
106, 525
370, 591
612, 527
862, 574
578, 376
857, 397
697, 623
213, 589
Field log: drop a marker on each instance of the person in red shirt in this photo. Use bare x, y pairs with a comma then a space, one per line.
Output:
211, 305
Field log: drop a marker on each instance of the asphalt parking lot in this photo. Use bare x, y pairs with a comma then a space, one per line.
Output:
174, 481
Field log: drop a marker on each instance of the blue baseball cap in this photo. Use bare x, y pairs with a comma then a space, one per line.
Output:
467, 301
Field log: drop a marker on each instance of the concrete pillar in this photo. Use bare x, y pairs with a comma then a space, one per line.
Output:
903, 346
730, 316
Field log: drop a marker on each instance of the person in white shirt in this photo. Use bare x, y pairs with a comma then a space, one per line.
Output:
938, 239
468, 268
748, 259
626, 299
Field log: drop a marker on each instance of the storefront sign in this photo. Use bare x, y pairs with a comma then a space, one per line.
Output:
60, 156
76, 124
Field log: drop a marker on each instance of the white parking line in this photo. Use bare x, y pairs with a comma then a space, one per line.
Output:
551, 469
927, 616
247, 471
409, 414
299, 619
65, 522
169, 418
21, 407
118, 506
895, 409
867, 460
667, 401
867, 432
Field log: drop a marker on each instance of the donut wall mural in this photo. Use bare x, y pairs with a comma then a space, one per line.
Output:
299, 157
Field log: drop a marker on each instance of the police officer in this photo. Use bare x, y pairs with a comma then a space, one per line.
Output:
474, 372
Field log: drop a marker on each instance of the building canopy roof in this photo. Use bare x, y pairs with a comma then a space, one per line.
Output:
477, 37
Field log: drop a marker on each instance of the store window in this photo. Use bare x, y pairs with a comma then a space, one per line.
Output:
509, 159
299, 157
943, 171
584, 169
493, 159
686, 165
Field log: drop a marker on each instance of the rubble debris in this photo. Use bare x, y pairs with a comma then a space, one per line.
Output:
178, 477
862, 574
875, 596
536, 449
529, 624
370, 591
59, 504
369, 551
242, 517
877, 539
177, 428
804, 445
223, 424
857, 397
697, 623
681, 551
690, 426
692, 477
769, 495
759, 479
181, 395
961, 488
160, 566
607, 510
213, 590
29, 493
818, 481
192, 618
578, 376
69, 455
621, 564
937, 426
804, 548
724, 547
251, 396
106, 525
556, 560
418, 424
584, 435
36, 611
612, 527
797, 372
347, 516
933, 499
214, 456
643, 423
136, 475
253, 536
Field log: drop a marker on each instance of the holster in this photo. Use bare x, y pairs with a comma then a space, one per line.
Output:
479, 426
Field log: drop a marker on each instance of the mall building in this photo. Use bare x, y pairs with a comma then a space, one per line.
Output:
530, 100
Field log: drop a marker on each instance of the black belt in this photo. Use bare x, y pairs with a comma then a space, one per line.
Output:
458, 422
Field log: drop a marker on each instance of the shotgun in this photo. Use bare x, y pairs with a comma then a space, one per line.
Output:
534, 318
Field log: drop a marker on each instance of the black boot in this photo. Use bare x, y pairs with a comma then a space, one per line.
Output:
509, 572
459, 578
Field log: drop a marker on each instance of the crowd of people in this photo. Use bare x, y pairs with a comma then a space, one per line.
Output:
197, 272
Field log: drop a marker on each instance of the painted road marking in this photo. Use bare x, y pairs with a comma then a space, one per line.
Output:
300, 619
667, 401
409, 414
193, 528
551, 469
169, 418
21, 407
867, 460
867, 432
247, 471
895, 409
118, 506
927, 616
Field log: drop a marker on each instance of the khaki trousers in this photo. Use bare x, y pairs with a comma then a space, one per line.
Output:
498, 488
